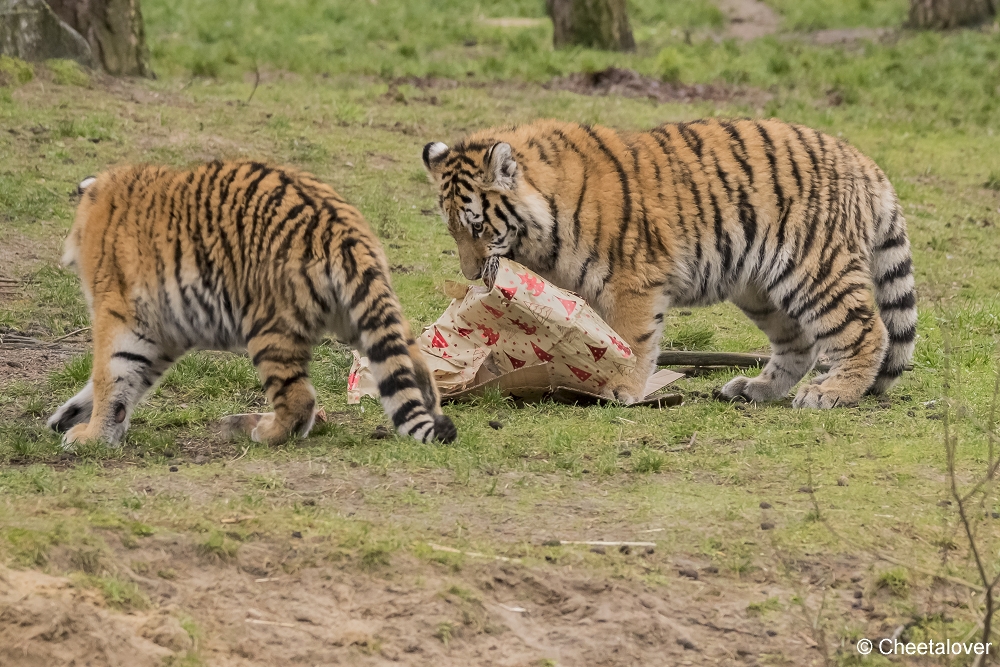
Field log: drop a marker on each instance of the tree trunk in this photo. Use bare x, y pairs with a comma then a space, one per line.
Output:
944, 14
114, 30
29, 30
597, 24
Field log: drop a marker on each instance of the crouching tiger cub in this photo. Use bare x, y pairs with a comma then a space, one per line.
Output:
229, 256
797, 228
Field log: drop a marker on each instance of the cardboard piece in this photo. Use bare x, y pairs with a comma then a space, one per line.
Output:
527, 337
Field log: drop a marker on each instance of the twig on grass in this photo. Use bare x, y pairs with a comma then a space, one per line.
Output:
259, 621
256, 82
473, 554
245, 450
599, 543
70, 334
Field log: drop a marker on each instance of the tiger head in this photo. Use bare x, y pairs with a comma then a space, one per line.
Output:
482, 196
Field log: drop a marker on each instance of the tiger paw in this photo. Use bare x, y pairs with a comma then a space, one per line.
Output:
444, 429
733, 390
622, 393
79, 434
238, 426
752, 390
824, 398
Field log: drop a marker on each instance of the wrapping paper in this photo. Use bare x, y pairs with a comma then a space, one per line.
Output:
522, 321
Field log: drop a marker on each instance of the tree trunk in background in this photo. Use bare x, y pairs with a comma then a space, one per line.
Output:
29, 30
597, 24
114, 30
943, 14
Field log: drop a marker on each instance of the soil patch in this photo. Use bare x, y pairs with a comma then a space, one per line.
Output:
46, 622
629, 83
31, 365
20, 254
749, 19
265, 608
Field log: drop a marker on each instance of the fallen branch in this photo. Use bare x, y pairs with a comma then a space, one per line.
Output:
714, 360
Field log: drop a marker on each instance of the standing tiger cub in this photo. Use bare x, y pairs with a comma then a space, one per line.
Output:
797, 228
231, 256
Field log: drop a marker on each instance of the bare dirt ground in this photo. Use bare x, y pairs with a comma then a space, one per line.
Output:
303, 600
749, 19
629, 83
299, 602
30, 365
46, 621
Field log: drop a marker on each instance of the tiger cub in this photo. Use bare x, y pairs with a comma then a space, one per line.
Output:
798, 229
233, 256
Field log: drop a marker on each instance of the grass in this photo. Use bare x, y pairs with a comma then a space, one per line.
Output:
822, 14
923, 105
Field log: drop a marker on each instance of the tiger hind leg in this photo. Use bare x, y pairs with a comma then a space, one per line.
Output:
282, 362
852, 336
126, 366
793, 352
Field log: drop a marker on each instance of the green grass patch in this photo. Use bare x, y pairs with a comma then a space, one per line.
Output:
895, 580
67, 73
14, 72
822, 14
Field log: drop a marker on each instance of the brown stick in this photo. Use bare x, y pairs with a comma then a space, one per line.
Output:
721, 360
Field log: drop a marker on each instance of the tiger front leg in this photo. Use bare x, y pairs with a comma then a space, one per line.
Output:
640, 323
283, 369
74, 411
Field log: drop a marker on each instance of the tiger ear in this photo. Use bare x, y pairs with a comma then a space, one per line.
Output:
499, 167
434, 154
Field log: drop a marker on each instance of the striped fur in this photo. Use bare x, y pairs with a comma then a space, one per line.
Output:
797, 228
233, 256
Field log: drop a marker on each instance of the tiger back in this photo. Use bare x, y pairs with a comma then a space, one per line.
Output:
797, 228
233, 256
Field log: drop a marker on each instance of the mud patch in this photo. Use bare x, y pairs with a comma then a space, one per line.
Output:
629, 83
46, 622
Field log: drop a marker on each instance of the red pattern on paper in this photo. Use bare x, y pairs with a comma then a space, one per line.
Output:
490, 335
621, 346
438, 340
463, 332
598, 352
526, 328
569, 305
352, 381
540, 353
516, 363
579, 372
508, 292
493, 311
534, 284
